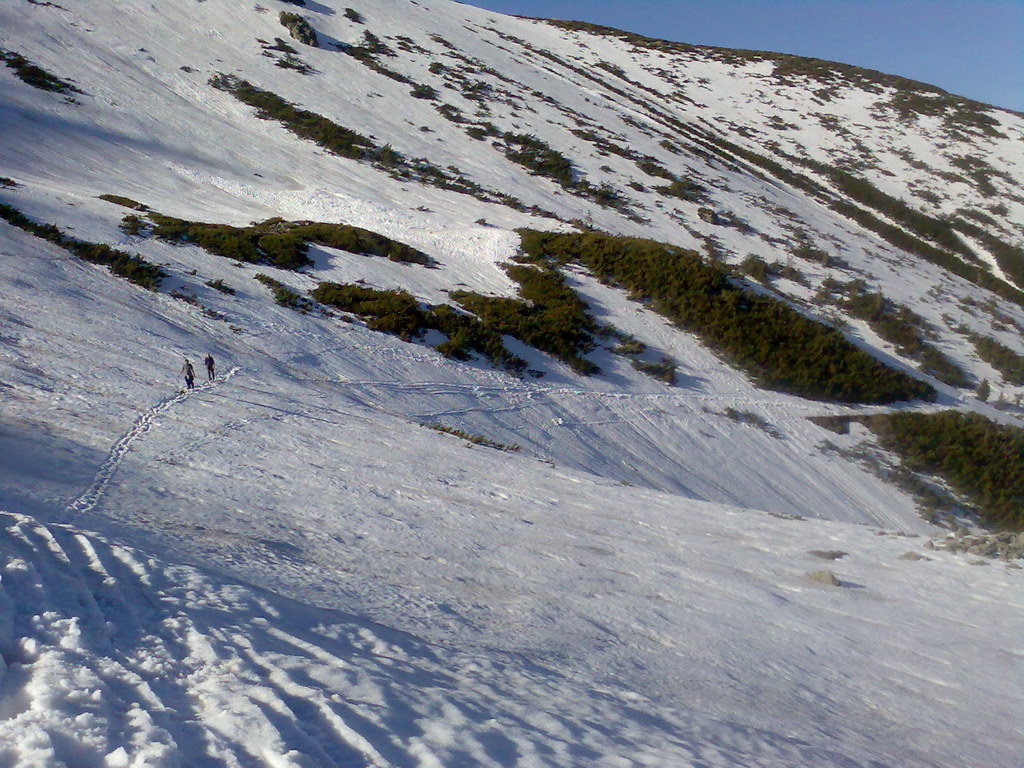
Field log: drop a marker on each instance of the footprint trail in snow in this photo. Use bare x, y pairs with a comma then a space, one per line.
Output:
88, 500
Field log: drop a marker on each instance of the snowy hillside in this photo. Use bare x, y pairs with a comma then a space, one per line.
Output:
364, 545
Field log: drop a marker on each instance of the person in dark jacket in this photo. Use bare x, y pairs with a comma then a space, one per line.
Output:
189, 373
210, 375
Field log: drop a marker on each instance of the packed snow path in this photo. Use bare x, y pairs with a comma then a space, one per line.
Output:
94, 493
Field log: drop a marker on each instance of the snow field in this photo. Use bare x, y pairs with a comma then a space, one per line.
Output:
656, 627
286, 569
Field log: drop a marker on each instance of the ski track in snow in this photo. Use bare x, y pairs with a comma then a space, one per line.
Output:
87, 501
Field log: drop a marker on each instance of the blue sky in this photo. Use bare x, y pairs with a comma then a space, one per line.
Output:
973, 48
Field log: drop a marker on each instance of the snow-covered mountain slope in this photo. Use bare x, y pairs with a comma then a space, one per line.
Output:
720, 655
287, 567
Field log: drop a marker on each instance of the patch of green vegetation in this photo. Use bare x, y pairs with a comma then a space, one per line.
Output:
1009, 257
239, 243
281, 46
475, 439
290, 59
684, 189
980, 459
645, 163
1001, 357
540, 158
762, 271
299, 28
283, 295
371, 47
980, 216
420, 91
897, 324
938, 231
662, 370
284, 244
900, 238
34, 75
751, 418
548, 315
368, 54
397, 312
133, 226
981, 173
125, 202
127, 265
220, 285
536, 156
718, 149
756, 268
346, 143
304, 124
777, 346
983, 391
957, 113
628, 346
353, 15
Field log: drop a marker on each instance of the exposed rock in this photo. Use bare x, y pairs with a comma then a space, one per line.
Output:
1005, 545
827, 554
824, 577
912, 555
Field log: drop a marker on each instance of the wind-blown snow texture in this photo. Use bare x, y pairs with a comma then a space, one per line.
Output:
284, 568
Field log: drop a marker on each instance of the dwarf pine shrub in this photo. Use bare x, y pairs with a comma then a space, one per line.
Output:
283, 295
283, 244
475, 439
978, 458
220, 285
548, 315
127, 265
420, 91
123, 201
132, 225
662, 370
299, 28
347, 143
983, 390
1000, 357
684, 189
898, 325
779, 347
535, 155
304, 124
34, 75
396, 311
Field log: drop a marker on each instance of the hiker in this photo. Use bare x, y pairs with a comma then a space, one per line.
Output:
210, 375
189, 373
